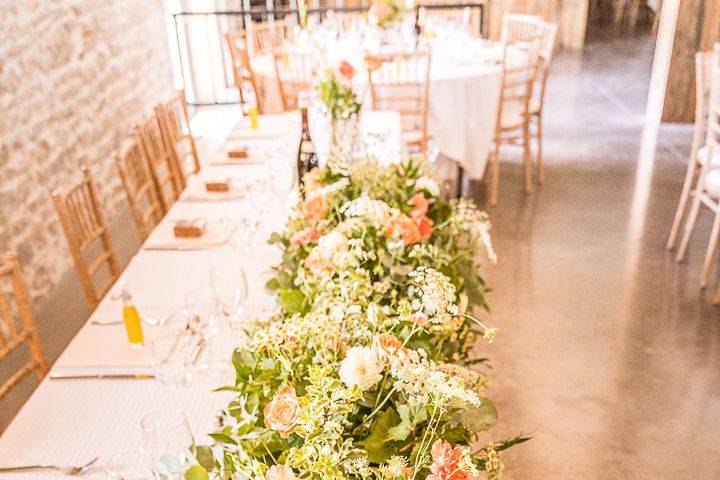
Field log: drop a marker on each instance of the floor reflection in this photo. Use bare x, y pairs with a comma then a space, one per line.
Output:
611, 356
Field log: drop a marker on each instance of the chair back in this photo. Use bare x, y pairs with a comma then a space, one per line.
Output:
295, 73
712, 139
87, 236
271, 35
138, 182
546, 50
401, 83
345, 21
455, 18
175, 128
160, 161
237, 43
518, 27
519, 66
18, 332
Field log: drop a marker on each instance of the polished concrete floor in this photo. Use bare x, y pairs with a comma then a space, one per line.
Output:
608, 353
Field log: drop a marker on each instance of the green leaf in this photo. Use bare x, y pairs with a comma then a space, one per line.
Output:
205, 457
478, 419
196, 472
222, 438
293, 300
399, 432
378, 445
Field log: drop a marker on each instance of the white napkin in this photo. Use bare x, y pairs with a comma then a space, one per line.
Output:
217, 233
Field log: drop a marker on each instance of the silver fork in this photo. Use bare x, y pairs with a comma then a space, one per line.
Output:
69, 470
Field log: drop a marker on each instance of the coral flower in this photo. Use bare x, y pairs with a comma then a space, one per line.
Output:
388, 344
420, 205
282, 412
346, 70
403, 227
447, 462
303, 237
314, 207
425, 226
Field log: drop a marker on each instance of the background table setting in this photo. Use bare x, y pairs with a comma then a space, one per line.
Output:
90, 408
465, 83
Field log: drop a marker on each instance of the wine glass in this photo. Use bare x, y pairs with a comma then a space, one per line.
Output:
171, 355
167, 440
203, 311
129, 466
229, 283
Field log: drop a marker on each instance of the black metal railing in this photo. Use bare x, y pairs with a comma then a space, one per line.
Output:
211, 60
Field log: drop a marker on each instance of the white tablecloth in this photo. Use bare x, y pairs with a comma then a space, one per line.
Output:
67, 422
465, 81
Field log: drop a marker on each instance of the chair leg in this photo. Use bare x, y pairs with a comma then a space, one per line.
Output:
710, 253
495, 165
682, 204
689, 227
539, 171
527, 161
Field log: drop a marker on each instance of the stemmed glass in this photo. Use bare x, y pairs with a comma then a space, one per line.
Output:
229, 284
167, 440
172, 355
129, 466
203, 320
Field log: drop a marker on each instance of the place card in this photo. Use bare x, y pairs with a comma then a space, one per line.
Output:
191, 228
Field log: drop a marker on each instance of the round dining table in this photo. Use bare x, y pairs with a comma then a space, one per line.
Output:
464, 91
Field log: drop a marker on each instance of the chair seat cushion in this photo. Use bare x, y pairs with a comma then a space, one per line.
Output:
712, 182
512, 114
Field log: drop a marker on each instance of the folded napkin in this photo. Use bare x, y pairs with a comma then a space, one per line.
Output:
197, 192
216, 233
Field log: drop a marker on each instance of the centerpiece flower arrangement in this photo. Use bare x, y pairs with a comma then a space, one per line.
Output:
365, 371
336, 92
386, 13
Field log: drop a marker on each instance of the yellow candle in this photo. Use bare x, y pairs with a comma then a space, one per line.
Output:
254, 118
133, 325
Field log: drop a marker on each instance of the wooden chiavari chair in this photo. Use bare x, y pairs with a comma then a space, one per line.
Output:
401, 83
513, 116
17, 328
698, 152
294, 72
138, 182
175, 127
160, 161
519, 27
459, 18
84, 226
548, 38
271, 35
345, 21
242, 68
707, 191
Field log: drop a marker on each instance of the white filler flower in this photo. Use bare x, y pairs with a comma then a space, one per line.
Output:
361, 367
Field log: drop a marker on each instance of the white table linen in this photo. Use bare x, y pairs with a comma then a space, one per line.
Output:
67, 422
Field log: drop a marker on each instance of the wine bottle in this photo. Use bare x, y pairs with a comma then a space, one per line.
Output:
307, 157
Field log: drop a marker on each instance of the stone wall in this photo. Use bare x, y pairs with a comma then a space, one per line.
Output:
74, 75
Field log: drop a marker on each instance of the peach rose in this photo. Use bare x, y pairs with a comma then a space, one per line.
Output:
403, 227
303, 237
420, 205
282, 412
418, 318
317, 262
314, 207
346, 70
280, 472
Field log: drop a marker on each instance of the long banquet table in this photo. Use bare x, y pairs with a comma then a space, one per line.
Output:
67, 422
